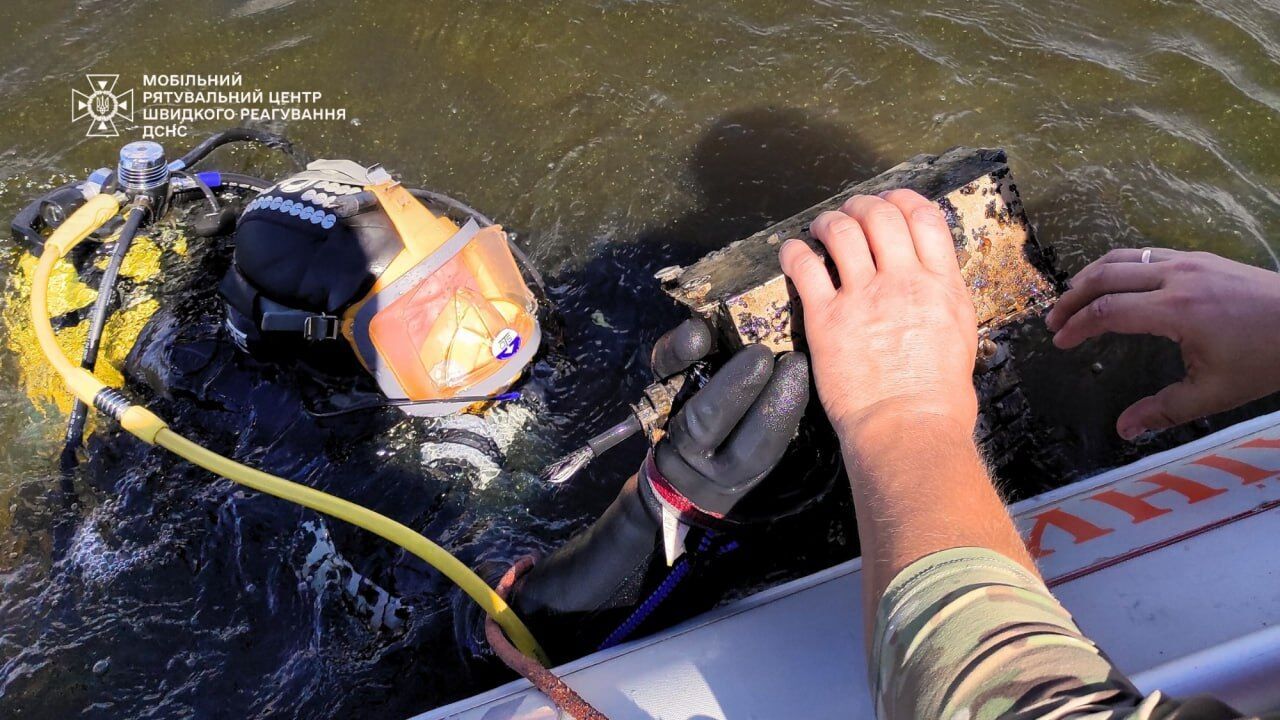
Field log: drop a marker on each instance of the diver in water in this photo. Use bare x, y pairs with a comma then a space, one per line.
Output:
438, 314
335, 269
384, 301
438, 339
340, 268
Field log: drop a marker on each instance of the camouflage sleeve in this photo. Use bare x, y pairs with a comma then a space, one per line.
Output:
967, 633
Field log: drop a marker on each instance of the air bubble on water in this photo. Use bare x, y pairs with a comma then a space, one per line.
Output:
97, 562
508, 422
463, 442
453, 456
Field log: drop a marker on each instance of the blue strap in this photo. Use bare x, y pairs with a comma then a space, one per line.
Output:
664, 590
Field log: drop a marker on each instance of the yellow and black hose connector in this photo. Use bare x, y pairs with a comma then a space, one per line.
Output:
150, 428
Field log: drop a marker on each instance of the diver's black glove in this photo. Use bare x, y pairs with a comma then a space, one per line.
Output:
729, 435
720, 445
680, 347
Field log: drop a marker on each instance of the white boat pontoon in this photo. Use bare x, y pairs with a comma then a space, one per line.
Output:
1169, 564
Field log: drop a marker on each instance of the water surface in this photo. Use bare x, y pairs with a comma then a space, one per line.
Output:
616, 137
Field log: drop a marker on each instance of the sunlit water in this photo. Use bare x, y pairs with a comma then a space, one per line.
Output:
617, 138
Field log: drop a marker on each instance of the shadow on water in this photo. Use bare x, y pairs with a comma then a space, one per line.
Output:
753, 167
173, 594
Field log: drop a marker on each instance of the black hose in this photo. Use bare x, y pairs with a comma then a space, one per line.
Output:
97, 322
232, 181
204, 188
607, 440
217, 140
405, 402
241, 181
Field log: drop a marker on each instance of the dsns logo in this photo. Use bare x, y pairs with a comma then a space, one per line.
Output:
102, 105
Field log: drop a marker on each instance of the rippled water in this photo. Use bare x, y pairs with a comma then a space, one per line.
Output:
617, 137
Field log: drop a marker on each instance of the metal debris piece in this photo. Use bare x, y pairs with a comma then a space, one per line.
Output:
741, 291
654, 408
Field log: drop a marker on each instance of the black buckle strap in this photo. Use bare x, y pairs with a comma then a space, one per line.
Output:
315, 327
320, 327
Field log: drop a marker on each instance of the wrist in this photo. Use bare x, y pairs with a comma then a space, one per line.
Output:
885, 433
659, 493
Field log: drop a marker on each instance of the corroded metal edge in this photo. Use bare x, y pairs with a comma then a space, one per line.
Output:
741, 291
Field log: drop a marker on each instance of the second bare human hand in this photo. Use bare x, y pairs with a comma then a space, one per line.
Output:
1224, 315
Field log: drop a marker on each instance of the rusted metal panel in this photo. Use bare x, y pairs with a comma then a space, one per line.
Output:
741, 291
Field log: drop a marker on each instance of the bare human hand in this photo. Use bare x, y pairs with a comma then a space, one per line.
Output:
1224, 315
897, 337
892, 344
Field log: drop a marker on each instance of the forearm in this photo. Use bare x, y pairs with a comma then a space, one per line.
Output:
959, 622
966, 632
920, 486
596, 568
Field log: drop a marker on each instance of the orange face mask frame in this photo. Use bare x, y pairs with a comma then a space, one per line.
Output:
451, 315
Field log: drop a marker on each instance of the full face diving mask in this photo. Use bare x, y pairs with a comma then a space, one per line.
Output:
433, 311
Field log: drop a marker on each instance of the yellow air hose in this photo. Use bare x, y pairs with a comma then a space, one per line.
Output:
150, 428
